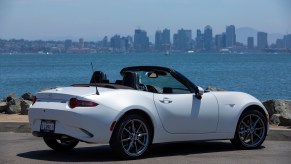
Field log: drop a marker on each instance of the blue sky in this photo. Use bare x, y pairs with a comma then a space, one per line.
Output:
93, 19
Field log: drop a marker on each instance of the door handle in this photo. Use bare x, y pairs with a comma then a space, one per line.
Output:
166, 101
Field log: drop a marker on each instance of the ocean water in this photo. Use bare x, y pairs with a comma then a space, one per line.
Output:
266, 76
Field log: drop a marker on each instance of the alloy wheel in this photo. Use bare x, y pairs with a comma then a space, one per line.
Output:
135, 137
251, 130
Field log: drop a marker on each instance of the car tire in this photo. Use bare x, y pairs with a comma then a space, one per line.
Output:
131, 137
60, 144
251, 130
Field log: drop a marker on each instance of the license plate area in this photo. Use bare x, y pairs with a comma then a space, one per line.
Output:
47, 126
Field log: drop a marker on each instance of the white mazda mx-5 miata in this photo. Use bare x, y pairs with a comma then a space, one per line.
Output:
150, 104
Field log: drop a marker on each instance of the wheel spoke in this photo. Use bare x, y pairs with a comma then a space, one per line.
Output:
142, 134
139, 127
256, 122
252, 138
259, 128
133, 128
135, 145
250, 120
244, 124
126, 139
257, 136
127, 131
130, 145
140, 142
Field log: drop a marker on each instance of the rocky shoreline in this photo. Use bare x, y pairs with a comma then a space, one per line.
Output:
13, 105
279, 110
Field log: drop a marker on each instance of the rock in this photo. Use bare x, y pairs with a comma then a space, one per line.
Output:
13, 105
3, 107
279, 111
27, 96
25, 104
275, 119
213, 88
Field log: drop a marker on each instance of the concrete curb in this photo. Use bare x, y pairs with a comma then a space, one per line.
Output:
23, 127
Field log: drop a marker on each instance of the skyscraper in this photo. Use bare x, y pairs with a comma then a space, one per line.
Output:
250, 43
230, 36
183, 40
81, 43
158, 40
262, 40
287, 40
166, 39
199, 40
218, 42
208, 38
141, 40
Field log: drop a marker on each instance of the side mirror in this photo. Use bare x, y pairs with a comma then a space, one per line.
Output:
199, 92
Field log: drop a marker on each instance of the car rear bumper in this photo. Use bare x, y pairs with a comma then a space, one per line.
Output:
85, 124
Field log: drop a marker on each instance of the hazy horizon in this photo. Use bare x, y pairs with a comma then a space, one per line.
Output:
92, 20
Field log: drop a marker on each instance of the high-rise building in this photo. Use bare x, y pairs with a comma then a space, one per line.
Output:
230, 36
68, 44
250, 43
208, 38
158, 40
218, 42
81, 43
262, 40
166, 39
116, 43
199, 40
287, 39
223, 38
141, 40
183, 40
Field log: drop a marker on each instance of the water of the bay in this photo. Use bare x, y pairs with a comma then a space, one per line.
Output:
266, 76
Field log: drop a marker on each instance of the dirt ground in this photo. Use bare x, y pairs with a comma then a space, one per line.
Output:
13, 118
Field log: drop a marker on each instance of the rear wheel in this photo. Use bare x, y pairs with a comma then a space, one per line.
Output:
251, 130
60, 144
131, 137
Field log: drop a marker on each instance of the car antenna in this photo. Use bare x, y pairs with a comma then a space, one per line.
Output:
97, 93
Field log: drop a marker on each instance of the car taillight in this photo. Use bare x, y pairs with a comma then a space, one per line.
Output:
33, 99
73, 103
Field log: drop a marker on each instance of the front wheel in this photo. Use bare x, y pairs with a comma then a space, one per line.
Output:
251, 130
131, 137
60, 144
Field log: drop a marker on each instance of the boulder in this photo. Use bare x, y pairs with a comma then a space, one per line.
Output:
25, 104
279, 111
213, 88
13, 104
27, 96
3, 107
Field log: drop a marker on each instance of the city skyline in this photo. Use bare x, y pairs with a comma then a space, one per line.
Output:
92, 20
183, 41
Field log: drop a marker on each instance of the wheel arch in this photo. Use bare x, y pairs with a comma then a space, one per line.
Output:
142, 113
258, 108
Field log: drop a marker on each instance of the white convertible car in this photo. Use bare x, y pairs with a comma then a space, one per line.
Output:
149, 105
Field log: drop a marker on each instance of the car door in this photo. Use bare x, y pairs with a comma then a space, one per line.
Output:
184, 113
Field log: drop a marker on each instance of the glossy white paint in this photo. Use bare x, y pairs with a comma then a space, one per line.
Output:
175, 117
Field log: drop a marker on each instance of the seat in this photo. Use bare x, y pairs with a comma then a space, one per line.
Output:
99, 77
131, 79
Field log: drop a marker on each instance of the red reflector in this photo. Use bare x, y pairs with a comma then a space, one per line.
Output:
33, 99
112, 125
73, 103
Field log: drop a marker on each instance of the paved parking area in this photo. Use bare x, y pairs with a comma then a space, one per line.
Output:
24, 148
